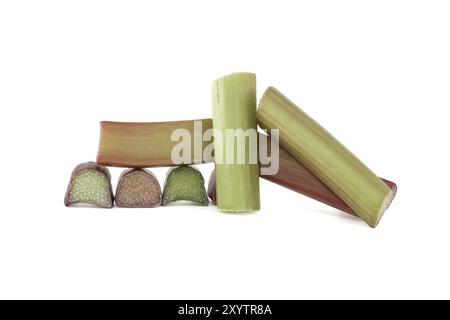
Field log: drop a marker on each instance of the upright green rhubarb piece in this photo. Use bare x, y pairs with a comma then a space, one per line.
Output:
237, 168
185, 183
90, 184
325, 157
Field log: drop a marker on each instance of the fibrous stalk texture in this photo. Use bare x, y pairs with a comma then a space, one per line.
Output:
328, 159
234, 108
150, 144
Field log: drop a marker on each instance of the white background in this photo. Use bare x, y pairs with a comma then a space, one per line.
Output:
375, 73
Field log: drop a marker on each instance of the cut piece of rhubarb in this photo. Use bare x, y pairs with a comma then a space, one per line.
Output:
90, 184
294, 176
234, 110
138, 188
185, 183
325, 157
149, 144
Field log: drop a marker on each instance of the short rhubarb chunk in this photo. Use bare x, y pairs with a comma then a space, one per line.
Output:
90, 184
138, 188
185, 183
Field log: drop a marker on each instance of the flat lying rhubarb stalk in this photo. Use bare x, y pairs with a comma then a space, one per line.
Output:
138, 188
325, 157
234, 108
185, 183
148, 144
90, 184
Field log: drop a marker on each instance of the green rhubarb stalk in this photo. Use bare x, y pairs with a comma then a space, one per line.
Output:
234, 107
325, 157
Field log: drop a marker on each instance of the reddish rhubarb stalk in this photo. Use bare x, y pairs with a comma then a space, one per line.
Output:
293, 175
149, 144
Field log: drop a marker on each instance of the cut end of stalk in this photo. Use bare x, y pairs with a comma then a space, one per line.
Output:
236, 76
138, 188
185, 183
243, 211
385, 205
90, 184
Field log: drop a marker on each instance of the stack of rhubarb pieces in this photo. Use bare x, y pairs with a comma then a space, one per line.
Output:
294, 152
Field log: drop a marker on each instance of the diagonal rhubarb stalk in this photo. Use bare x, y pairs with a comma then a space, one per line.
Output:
234, 108
293, 175
147, 144
325, 157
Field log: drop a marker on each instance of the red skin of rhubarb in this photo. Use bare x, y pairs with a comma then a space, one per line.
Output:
293, 175
130, 144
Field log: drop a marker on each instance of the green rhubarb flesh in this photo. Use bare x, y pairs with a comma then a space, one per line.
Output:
90, 184
325, 157
185, 183
234, 107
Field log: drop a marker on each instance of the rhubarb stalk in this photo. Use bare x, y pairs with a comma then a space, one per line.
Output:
325, 157
293, 175
150, 144
234, 108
